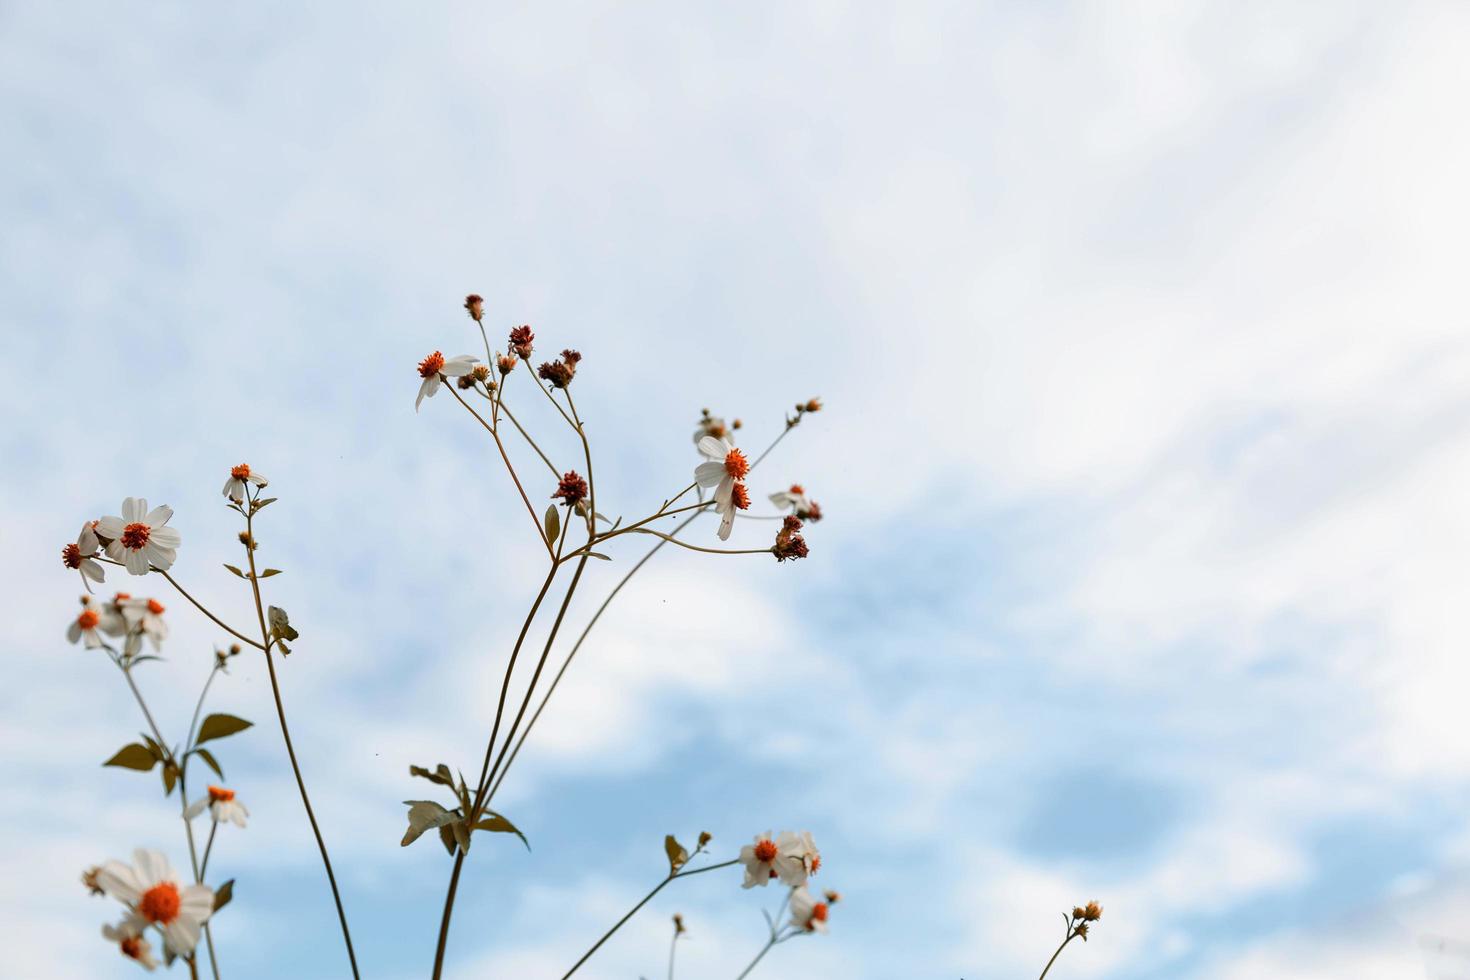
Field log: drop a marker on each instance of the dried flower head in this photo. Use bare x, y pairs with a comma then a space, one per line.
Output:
466, 382
521, 339
705, 837
790, 545
506, 363
572, 489
475, 306
561, 371
812, 405
1082, 931
481, 373
1092, 912
89, 878
678, 924
832, 897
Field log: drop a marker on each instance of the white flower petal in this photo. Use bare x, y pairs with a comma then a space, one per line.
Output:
133, 509
158, 516
111, 527
120, 881
165, 536
709, 474
136, 561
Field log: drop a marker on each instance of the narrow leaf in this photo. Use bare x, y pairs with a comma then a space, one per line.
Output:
461, 835
553, 523
446, 835
220, 725
236, 570
133, 756
260, 504
497, 824
170, 775
223, 894
269, 572
209, 761
441, 776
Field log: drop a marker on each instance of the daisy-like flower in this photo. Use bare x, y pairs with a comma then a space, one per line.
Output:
128, 935
81, 556
223, 806
768, 858
145, 616
807, 913
434, 369
139, 538
803, 849
151, 889
239, 476
793, 499
723, 468
94, 620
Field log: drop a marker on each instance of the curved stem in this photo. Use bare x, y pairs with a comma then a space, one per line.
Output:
1070, 936
535, 520
634, 910
286, 737
758, 957
197, 605
208, 846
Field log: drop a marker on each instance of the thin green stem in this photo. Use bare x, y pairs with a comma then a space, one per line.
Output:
208, 846
1071, 935
270, 663
634, 910
535, 519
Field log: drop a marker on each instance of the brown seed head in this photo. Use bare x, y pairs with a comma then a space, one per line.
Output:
572, 489
475, 306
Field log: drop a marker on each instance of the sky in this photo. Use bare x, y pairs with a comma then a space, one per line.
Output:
1141, 334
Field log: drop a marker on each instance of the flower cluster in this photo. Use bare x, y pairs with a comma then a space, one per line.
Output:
153, 897
788, 857
796, 500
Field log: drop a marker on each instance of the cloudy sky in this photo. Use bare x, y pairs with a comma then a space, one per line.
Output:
1142, 335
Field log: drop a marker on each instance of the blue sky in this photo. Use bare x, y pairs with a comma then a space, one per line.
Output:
1142, 334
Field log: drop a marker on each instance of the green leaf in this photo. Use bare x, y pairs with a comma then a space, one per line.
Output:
678, 856
153, 747
269, 572
235, 570
446, 835
598, 554
461, 835
553, 523
261, 504
497, 824
208, 758
133, 756
170, 774
425, 815
218, 726
440, 774
223, 894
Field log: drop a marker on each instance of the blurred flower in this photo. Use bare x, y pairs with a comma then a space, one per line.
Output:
89, 878
723, 466
521, 339
803, 849
223, 807
128, 935
81, 555
434, 369
781, 858
151, 889
806, 912
239, 477
138, 538
475, 306
711, 425
145, 616
90, 620
572, 489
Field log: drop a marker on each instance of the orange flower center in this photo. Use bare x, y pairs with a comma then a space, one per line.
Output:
135, 536
797, 489
160, 904
71, 556
155, 607
816, 864
88, 619
121, 596
221, 795
736, 464
240, 472
765, 851
132, 947
819, 912
739, 497
431, 365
